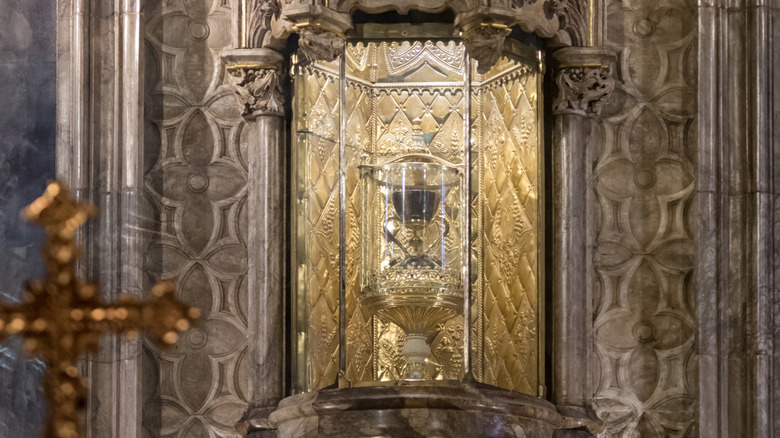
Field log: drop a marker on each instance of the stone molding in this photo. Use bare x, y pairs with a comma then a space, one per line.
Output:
261, 19
738, 207
256, 76
584, 79
575, 19
104, 39
451, 409
322, 27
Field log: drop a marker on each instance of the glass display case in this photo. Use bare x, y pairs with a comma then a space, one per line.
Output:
417, 215
412, 265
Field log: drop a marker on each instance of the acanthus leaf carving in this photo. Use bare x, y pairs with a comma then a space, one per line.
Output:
485, 43
583, 90
318, 44
258, 89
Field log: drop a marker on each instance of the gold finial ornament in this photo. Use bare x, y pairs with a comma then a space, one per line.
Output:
62, 317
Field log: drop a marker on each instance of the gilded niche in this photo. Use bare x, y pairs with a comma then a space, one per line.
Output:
400, 95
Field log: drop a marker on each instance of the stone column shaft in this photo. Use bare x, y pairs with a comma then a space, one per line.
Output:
256, 75
100, 120
266, 201
571, 344
584, 84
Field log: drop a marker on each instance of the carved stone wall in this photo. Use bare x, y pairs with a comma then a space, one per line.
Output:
643, 187
642, 200
195, 179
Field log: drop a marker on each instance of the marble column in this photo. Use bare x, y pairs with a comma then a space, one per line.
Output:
738, 299
583, 83
100, 127
257, 77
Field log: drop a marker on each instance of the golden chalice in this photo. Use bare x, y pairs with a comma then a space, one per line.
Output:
413, 278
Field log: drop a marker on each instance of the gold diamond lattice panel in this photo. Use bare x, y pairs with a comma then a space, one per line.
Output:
508, 216
317, 223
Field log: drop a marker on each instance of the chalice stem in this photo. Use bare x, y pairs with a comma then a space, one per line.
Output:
392, 239
416, 242
416, 351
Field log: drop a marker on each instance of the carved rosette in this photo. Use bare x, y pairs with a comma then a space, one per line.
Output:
583, 90
258, 89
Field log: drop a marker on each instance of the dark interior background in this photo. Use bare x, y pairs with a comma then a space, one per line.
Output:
27, 133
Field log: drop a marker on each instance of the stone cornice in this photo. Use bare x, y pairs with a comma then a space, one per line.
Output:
484, 24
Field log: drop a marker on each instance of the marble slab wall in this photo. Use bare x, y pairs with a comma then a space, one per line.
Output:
737, 237
643, 192
774, 60
27, 130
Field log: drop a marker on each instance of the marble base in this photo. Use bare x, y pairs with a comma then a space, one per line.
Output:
424, 411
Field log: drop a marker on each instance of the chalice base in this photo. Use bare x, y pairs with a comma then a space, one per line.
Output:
419, 301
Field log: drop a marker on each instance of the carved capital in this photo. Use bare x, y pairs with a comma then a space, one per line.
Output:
259, 90
584, 81
485, 43
321, 30
583, 90
256, 76
318, 44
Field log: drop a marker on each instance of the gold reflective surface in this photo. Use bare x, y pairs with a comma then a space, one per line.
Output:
316, 216
391, 86
507, 128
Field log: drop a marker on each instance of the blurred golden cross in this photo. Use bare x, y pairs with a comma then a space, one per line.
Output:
62, 317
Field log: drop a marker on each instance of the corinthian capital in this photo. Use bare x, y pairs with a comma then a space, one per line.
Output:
584, 81
256, 76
